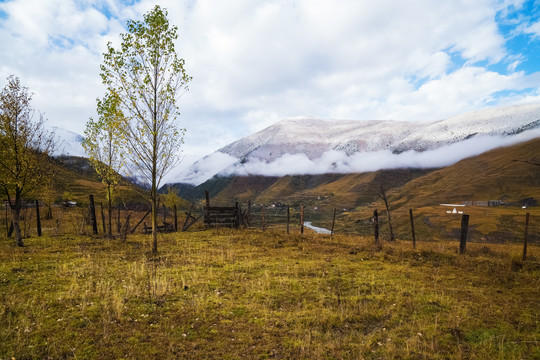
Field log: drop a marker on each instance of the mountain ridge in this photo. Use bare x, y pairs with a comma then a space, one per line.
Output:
315, 146
504, 174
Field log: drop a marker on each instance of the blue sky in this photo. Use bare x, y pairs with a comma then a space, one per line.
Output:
256, 62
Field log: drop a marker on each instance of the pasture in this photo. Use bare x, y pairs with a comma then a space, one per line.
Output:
249, 294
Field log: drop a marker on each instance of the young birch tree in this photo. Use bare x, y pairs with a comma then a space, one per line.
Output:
104, 145
148, 77
24, 148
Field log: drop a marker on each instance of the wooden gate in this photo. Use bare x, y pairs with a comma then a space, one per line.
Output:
228, 216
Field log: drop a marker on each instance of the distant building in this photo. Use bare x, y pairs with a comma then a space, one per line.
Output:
483, 203
454, 210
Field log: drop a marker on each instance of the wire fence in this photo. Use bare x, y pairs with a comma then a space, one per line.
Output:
492, 225
64, 219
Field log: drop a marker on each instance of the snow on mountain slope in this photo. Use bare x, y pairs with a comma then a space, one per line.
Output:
314, 146
313, 137
69, 143
498, 121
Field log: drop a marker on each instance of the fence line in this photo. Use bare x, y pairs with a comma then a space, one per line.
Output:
507, 228
503, 227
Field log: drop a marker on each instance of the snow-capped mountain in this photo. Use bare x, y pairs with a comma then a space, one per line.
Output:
314, 146
313, 137
505, 121
69, 143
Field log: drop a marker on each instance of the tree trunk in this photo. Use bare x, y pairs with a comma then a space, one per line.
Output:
154, 161
382, 195
392, 237
110, 210
15, 213
376, 226
154, 218
16, 226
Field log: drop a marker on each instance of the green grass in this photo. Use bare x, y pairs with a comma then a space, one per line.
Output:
248, 294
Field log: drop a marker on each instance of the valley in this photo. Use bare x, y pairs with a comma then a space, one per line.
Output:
500, 174
270, 291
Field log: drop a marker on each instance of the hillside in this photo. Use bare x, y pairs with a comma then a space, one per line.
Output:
74, 179
500, 174
326, 190
504, 174
492, 175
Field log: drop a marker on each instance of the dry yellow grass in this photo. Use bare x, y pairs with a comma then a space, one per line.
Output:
252, 294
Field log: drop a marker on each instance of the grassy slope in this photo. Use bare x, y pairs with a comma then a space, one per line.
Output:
354, 190
249, 294
493, 175
326, 190
74, 177
242, 189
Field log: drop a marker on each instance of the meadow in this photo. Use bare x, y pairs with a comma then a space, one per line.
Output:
249, 294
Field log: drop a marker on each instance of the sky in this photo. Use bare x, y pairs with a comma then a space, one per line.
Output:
255, 62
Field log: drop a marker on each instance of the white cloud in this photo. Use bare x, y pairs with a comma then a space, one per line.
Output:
255, 62
534, 29
339, 162
203, 169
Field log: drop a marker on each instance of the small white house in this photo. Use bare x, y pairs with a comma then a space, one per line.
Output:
455, 208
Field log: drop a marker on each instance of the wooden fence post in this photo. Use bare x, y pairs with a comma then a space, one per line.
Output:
412, 229
38, 220
188, 216
207, 208
93, 214
248, 219
119, 224
144, 217
239, 219
333, 222
376, 226
525, 237
464, 229
263, 219
103, 218
175, 218
288, 217
301, 219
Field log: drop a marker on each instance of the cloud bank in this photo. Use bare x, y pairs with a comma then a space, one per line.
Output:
339, 162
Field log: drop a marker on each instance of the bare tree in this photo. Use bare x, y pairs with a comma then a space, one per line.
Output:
24, 148
382, 195
148, 77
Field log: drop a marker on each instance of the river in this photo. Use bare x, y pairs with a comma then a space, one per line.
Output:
317, 229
